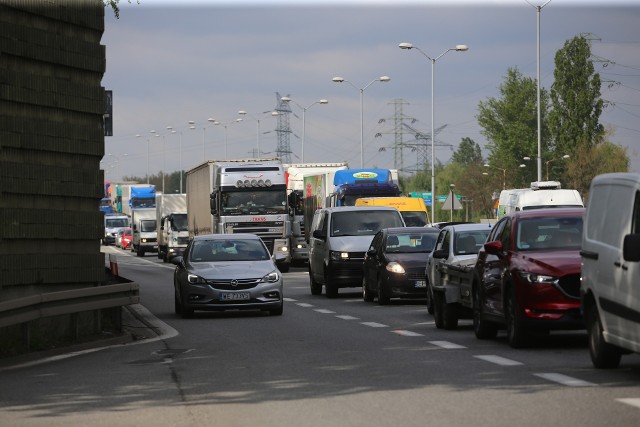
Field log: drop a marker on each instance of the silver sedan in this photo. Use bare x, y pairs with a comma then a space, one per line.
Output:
227, 272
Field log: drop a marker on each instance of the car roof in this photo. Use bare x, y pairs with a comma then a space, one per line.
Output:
359, 208
407, 230
547, 213
470, 227
239, 236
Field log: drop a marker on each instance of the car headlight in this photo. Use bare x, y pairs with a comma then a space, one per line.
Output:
272, 277
538, 279
338, 256
195, 280
394, 267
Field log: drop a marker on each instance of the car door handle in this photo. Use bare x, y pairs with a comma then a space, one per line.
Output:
618, 264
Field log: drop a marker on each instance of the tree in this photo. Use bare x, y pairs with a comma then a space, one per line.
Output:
575, 98
468, 152
510, 124
113, 4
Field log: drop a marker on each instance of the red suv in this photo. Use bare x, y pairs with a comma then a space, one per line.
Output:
527, 276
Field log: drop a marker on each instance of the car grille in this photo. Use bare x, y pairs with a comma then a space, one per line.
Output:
232, 285
415, 275
570, 285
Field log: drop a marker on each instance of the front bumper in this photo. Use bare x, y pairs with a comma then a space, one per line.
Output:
264, 296
345, 273
410, 284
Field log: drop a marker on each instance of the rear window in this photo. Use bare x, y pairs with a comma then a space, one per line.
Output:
363, 223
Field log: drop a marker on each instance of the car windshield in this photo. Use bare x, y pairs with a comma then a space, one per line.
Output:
363, 223
410, 243
549, 233
228, 250
469, 242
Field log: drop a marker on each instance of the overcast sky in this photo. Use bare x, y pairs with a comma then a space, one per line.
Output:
171, 62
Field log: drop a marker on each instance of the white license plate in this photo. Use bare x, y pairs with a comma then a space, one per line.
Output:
421, 284
235, 296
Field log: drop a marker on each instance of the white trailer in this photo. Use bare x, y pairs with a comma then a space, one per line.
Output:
171, 224
295, 173
241, 196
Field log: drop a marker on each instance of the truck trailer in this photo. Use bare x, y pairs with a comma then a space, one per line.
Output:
171, 225
241, 196
295, 174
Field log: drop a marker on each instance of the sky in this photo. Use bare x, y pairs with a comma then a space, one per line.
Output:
172, 62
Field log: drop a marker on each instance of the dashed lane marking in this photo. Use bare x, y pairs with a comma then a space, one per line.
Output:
446, 344
304, 304
630, 401
324, 311
565, 380
374, 324
407, 333
498, 360
347, 317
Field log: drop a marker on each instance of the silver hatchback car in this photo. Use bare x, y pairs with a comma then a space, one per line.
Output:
227, 272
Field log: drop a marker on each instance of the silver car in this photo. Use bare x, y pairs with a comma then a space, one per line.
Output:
227, 272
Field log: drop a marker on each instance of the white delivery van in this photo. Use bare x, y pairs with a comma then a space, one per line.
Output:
543, 194
611, 268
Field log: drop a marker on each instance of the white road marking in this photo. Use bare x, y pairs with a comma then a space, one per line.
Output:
289, 299
407, 333
324, 311
424, 323
498, 360
631, 401
565, 380
347, 317
304, 304
446, 344
374, 324
353, 300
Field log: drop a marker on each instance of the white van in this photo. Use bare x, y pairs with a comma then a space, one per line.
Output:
611, 268
339, 238
543, 194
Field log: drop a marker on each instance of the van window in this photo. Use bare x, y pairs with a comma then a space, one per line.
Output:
606, 209
414, 219
359, 223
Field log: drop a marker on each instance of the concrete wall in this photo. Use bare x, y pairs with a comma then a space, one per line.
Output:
51, 144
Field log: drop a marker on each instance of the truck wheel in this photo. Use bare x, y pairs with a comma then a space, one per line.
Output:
516, 330
316, 288
383, 298
140, 252
482, 328
449, 315
438, 308
603, 355
367, 296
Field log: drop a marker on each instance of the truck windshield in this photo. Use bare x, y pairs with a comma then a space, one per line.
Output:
143, 202
262, 202
179, 222
148, 226
367, 223
116, 223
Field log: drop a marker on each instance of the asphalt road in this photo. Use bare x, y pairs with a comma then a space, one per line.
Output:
324, 362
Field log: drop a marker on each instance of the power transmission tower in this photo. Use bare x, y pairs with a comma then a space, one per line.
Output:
283, 149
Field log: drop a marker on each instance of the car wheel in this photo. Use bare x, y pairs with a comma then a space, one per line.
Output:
482, 328
277, 311
516, 330
331, 289
449, 315
383, 298
316, 288
367, 295
284, 268
429, 296
438, 302
603, 355
177, 304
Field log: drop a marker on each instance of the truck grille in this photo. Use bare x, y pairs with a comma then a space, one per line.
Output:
267, 231
183, 240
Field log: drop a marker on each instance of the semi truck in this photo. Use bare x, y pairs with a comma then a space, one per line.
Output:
241, 196
295, 174
343, 187
128, 195
171, 225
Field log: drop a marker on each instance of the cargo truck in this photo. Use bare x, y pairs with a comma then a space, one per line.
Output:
241, 196
171, 225
145, 237
295, 174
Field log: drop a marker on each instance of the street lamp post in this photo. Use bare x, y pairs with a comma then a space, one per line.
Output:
565, 157
458, 48
192, 126
170, 129
225, 125
163, 156
139, 136
382, 79
304, 111
257, 119
504, 174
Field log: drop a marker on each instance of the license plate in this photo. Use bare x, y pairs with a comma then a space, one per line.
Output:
421, 284
235, 296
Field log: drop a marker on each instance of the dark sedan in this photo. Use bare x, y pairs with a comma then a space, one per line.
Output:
395, 262
227, 272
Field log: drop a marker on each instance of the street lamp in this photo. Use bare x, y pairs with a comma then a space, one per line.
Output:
192, 126
224, 125
565, 157
170, 129
458, 48
257, 119
382, 79
304, 110
452, 187
539, 10
163, 156
504, 174
139, 136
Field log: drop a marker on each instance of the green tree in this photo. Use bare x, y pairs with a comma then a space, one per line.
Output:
114, 5
575, 98
510, 125
468, 152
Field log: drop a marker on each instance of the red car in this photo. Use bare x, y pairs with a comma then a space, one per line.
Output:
127, 238
527, 276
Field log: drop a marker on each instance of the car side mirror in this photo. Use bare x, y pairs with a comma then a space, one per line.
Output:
494, 248
631, 248
178, 260
440, 254
318, 234
372, 252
